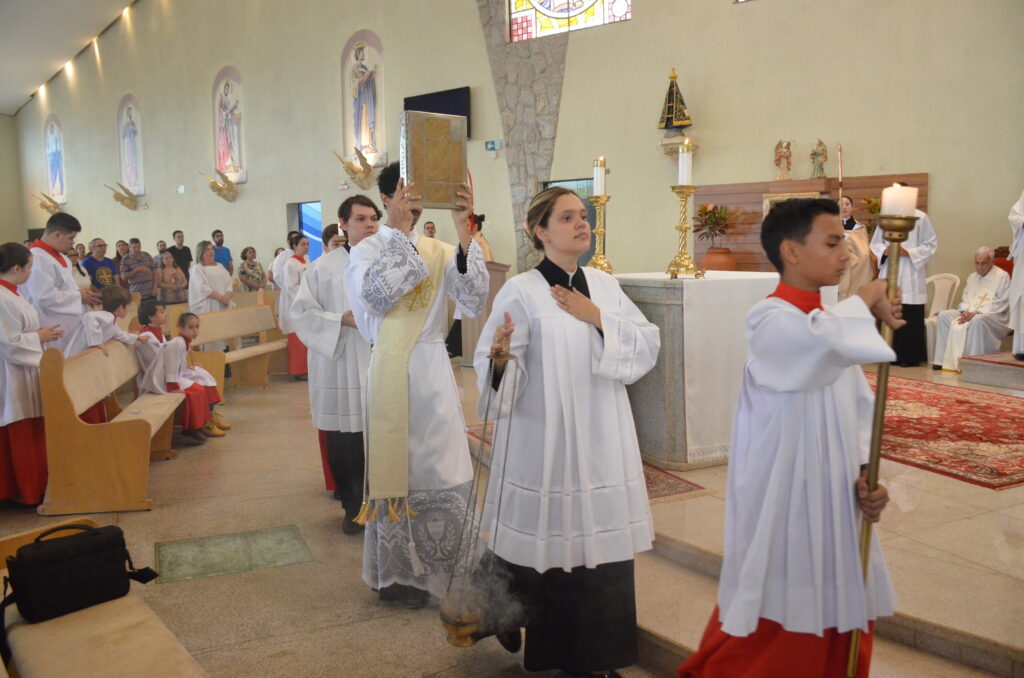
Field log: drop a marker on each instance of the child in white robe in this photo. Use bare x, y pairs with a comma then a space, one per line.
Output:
199, 420
22, 434
791, 588
101, 326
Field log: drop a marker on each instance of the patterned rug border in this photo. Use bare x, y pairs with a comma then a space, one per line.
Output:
982, 359
987, 397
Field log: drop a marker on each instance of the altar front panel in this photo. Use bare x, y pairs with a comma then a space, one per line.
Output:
683, 408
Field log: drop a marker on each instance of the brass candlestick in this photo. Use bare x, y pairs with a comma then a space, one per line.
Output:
895, 229
683, 264
599, 261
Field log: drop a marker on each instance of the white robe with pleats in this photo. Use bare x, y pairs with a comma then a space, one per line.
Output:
987, 297
338, 355
20, 353
801, 431
570, 481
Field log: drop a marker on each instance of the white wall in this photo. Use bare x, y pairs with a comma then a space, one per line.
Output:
11, 227
289, 56
909, 86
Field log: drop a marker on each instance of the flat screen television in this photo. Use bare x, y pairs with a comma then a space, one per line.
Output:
450, 101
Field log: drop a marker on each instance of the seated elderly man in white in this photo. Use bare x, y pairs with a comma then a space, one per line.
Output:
979, 325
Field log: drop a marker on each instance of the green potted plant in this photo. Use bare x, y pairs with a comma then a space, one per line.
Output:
711, 222
873, 207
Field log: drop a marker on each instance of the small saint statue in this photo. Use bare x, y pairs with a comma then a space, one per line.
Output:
819, 156
783, 160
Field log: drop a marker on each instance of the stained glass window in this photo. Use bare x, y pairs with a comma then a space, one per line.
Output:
537, 18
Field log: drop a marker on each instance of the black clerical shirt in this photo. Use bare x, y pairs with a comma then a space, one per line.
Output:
554, 275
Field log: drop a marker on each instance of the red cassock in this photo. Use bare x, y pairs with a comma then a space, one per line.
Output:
198, 398
772, 652
328, 477
23, 460
296, 355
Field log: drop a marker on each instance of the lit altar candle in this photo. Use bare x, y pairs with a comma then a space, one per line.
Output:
599, 176
899, 200
685, 177
840, 164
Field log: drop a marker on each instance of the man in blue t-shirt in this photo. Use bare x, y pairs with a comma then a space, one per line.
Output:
221, 254
102, 271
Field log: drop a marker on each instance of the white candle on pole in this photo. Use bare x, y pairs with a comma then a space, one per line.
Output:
899, 200
599, 176
685, 177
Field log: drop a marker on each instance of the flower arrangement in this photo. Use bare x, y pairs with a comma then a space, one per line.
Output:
711, 222
872, 205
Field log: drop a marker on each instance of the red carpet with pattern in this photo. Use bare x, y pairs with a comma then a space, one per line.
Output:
661, 484
974, 436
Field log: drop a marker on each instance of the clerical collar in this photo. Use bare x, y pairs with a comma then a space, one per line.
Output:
11, 286
555, 275
53, 253
805, 301
157, 332
849, 224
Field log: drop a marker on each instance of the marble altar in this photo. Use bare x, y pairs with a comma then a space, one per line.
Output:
683, 408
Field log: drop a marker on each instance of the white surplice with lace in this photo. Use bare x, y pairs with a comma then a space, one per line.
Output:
381, 270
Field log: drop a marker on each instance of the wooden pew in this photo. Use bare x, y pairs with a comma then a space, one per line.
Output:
278, 361
100, 467
121, 638
249, 365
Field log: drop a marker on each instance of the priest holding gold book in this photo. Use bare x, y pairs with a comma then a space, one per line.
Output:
418, 467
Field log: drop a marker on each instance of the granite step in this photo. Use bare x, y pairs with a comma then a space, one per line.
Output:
997, 369
974, 640
675, 602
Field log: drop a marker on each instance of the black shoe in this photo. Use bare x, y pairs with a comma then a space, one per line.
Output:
349, 526
413, 598
511, 640
301, 377
936, 367
391, 593
1018, 356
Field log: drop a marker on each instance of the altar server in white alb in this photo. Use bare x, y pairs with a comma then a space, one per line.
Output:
292, 271
209, 287
566, 506
978, 326
1016, 296
275, 271
338, 355
100, 326
399, 284
911, 342
22, 342
791, 588
52, 290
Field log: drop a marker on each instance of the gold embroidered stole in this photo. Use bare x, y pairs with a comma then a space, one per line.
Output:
387, 461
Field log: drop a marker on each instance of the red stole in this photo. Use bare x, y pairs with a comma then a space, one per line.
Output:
301, 260
157, 332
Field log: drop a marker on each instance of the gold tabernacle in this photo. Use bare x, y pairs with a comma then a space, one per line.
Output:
432, 153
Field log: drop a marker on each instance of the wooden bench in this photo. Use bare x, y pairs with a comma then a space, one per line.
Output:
249, 364
121, 638
100, 467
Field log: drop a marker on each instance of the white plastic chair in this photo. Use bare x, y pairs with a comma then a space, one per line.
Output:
942, 289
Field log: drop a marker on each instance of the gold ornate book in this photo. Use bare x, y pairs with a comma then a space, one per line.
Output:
433, 156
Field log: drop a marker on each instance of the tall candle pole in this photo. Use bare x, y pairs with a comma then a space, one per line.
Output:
895, 229
841, 176
682, 264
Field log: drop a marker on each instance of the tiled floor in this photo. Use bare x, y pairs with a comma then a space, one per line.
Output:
955, 551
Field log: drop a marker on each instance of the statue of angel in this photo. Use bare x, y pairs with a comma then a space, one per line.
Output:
784, 159
819, 156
